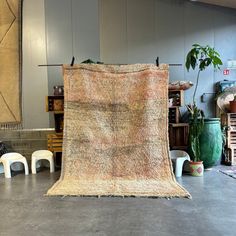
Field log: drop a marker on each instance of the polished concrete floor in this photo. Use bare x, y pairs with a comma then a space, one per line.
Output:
24, 210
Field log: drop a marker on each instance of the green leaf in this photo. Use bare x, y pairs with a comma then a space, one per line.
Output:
208, 61
217, 61
188, 61
187, 65
202, 65
193, 62
196, 45
217, 54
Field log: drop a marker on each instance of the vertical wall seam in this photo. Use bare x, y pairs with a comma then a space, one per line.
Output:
99, 27
185, 35
72, 28
126, 30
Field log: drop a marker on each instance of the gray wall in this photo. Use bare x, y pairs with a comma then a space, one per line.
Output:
34, 78
118, 31
137, 31
72, 29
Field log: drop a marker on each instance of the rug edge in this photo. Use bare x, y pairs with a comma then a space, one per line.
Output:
184, 194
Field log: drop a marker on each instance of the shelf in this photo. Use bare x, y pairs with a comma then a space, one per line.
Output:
55, 103
177, 97
55, 142
59, 122
174, 115
58, 112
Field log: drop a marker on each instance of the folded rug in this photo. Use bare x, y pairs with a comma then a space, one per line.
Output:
10, 62
116, 132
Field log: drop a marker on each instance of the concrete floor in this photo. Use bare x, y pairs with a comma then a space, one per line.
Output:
24, 210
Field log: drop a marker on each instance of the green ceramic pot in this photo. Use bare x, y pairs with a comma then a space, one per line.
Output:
211, 142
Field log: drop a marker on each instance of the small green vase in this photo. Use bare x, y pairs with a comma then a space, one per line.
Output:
211, 142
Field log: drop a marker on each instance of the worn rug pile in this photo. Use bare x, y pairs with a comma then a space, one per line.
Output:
115, 132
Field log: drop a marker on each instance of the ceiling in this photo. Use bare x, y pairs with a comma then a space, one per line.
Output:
224, 3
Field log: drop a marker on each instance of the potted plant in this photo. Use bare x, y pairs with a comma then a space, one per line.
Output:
200, 58
196, 125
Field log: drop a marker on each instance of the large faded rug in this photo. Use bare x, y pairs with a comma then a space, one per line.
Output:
115, 132
10, 61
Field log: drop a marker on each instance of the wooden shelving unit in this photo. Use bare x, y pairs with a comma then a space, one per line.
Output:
177, 97
55, 142
174, 115
55, 104
229, 120
178, 132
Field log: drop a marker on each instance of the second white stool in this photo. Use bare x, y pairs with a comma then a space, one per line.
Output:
42, 155
179, 157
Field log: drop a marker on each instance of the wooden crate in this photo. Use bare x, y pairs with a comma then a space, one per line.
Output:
177, 97
231, 138
178, 136
229, 120
55, 142
230, 158
174, 115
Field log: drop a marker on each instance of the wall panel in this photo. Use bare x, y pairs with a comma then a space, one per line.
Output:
34, 78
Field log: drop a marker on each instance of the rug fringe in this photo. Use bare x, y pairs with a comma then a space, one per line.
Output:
10, 126
117, 196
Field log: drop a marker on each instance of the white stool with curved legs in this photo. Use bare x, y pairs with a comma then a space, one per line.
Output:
42, 155
8, 158
179, 157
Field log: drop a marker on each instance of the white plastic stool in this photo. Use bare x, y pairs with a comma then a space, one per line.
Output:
8, 158
1, 168
179, 157
42, 155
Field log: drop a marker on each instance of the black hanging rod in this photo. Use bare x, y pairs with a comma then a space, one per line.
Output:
103, 64
73, 60
71, 64
51, 65
175, 64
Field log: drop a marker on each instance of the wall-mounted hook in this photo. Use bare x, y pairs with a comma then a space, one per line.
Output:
72, 61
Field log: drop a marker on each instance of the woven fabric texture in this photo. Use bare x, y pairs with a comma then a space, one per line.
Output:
10, 61
115, 132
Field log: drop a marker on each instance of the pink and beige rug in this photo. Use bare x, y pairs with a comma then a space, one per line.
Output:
10, 61
115, 132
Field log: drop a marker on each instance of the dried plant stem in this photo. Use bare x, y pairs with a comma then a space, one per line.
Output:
195, 90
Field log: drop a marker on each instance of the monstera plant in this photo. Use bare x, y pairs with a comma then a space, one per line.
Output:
198, 58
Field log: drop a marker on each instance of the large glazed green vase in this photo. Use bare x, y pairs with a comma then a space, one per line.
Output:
211, 142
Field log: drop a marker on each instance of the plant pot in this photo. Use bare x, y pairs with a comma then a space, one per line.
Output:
211, 142
196, 168
232, 106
